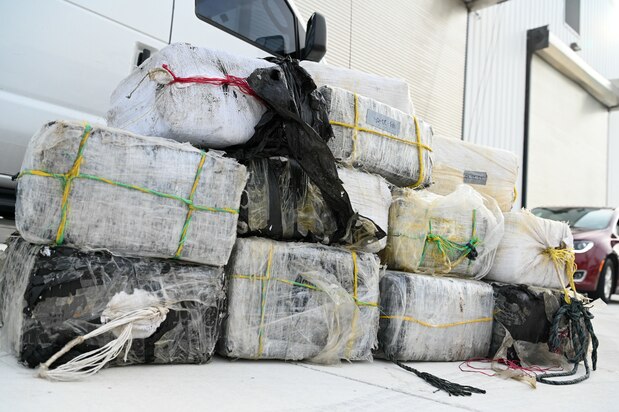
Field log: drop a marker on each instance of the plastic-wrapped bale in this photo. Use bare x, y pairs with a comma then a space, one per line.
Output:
455, 234
534, 251
297, 301
280, 202
522, 322
51, 295
390, 91
377, 138
490, 171
425, 318
102, 188
190, 94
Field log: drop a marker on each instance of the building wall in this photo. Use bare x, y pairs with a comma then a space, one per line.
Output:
422, 41
496, 67
567, 142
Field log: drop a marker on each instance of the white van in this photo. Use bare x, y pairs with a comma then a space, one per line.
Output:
61, 59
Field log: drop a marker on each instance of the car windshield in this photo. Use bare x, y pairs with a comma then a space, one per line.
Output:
577, 217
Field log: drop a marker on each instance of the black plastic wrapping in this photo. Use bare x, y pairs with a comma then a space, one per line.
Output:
525, 313
49, 296
296, 125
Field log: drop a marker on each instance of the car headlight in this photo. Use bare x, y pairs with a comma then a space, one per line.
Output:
582, 246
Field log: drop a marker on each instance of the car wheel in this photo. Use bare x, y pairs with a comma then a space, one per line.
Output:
605, 284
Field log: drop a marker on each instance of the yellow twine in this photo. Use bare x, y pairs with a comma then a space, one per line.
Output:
73, 172
439, 326
356, 129
565, 257
264, 281
355, 271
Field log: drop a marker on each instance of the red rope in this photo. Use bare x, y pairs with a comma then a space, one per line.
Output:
513, 365
229, 80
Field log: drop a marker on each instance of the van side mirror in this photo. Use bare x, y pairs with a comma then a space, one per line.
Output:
315, 38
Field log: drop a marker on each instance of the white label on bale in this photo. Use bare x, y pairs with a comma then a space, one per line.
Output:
383, 122
475, 178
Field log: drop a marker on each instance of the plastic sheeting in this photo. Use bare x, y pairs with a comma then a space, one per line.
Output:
390, 91
298, 301
523, 316
377, 138
425, 318
281, 203
455, 234
297, 126
522, 255
128, 194
216, 114
490, 171
48, 296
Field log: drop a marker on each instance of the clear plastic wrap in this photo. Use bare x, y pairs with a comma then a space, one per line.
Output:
455, 234
281, 203
524, 254
48, 296
297, 301
390, 91
377, 138
490, 171
427, 318
212, 111
103, 188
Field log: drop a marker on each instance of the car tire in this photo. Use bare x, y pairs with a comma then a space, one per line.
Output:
606, 282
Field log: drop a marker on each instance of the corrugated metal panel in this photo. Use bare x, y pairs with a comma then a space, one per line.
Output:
495, 81
337, 14
422, 41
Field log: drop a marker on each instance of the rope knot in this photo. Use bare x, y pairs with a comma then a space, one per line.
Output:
472, 250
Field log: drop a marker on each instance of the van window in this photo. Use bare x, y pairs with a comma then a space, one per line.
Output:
268, 24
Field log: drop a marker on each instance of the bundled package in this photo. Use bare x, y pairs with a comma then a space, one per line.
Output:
534, 251
427, 318
522, 322
297, 301
190, 94
490, 171
390, 91
103, 188
377, 138
51, 295
455, 234
281, 202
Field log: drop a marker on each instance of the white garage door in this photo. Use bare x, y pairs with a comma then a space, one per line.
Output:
568, 142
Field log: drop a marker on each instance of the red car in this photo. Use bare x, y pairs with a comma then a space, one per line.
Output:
596, 243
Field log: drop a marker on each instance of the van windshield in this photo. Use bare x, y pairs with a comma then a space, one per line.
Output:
268, 24
577, 217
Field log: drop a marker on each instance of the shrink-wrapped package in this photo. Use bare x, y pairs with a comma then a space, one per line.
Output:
103, 188
297, 301
534, 251
522, 322
490, 171
51, 295
390, 91
190, 94
455, 234
377, 138
427, 318
280, 202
